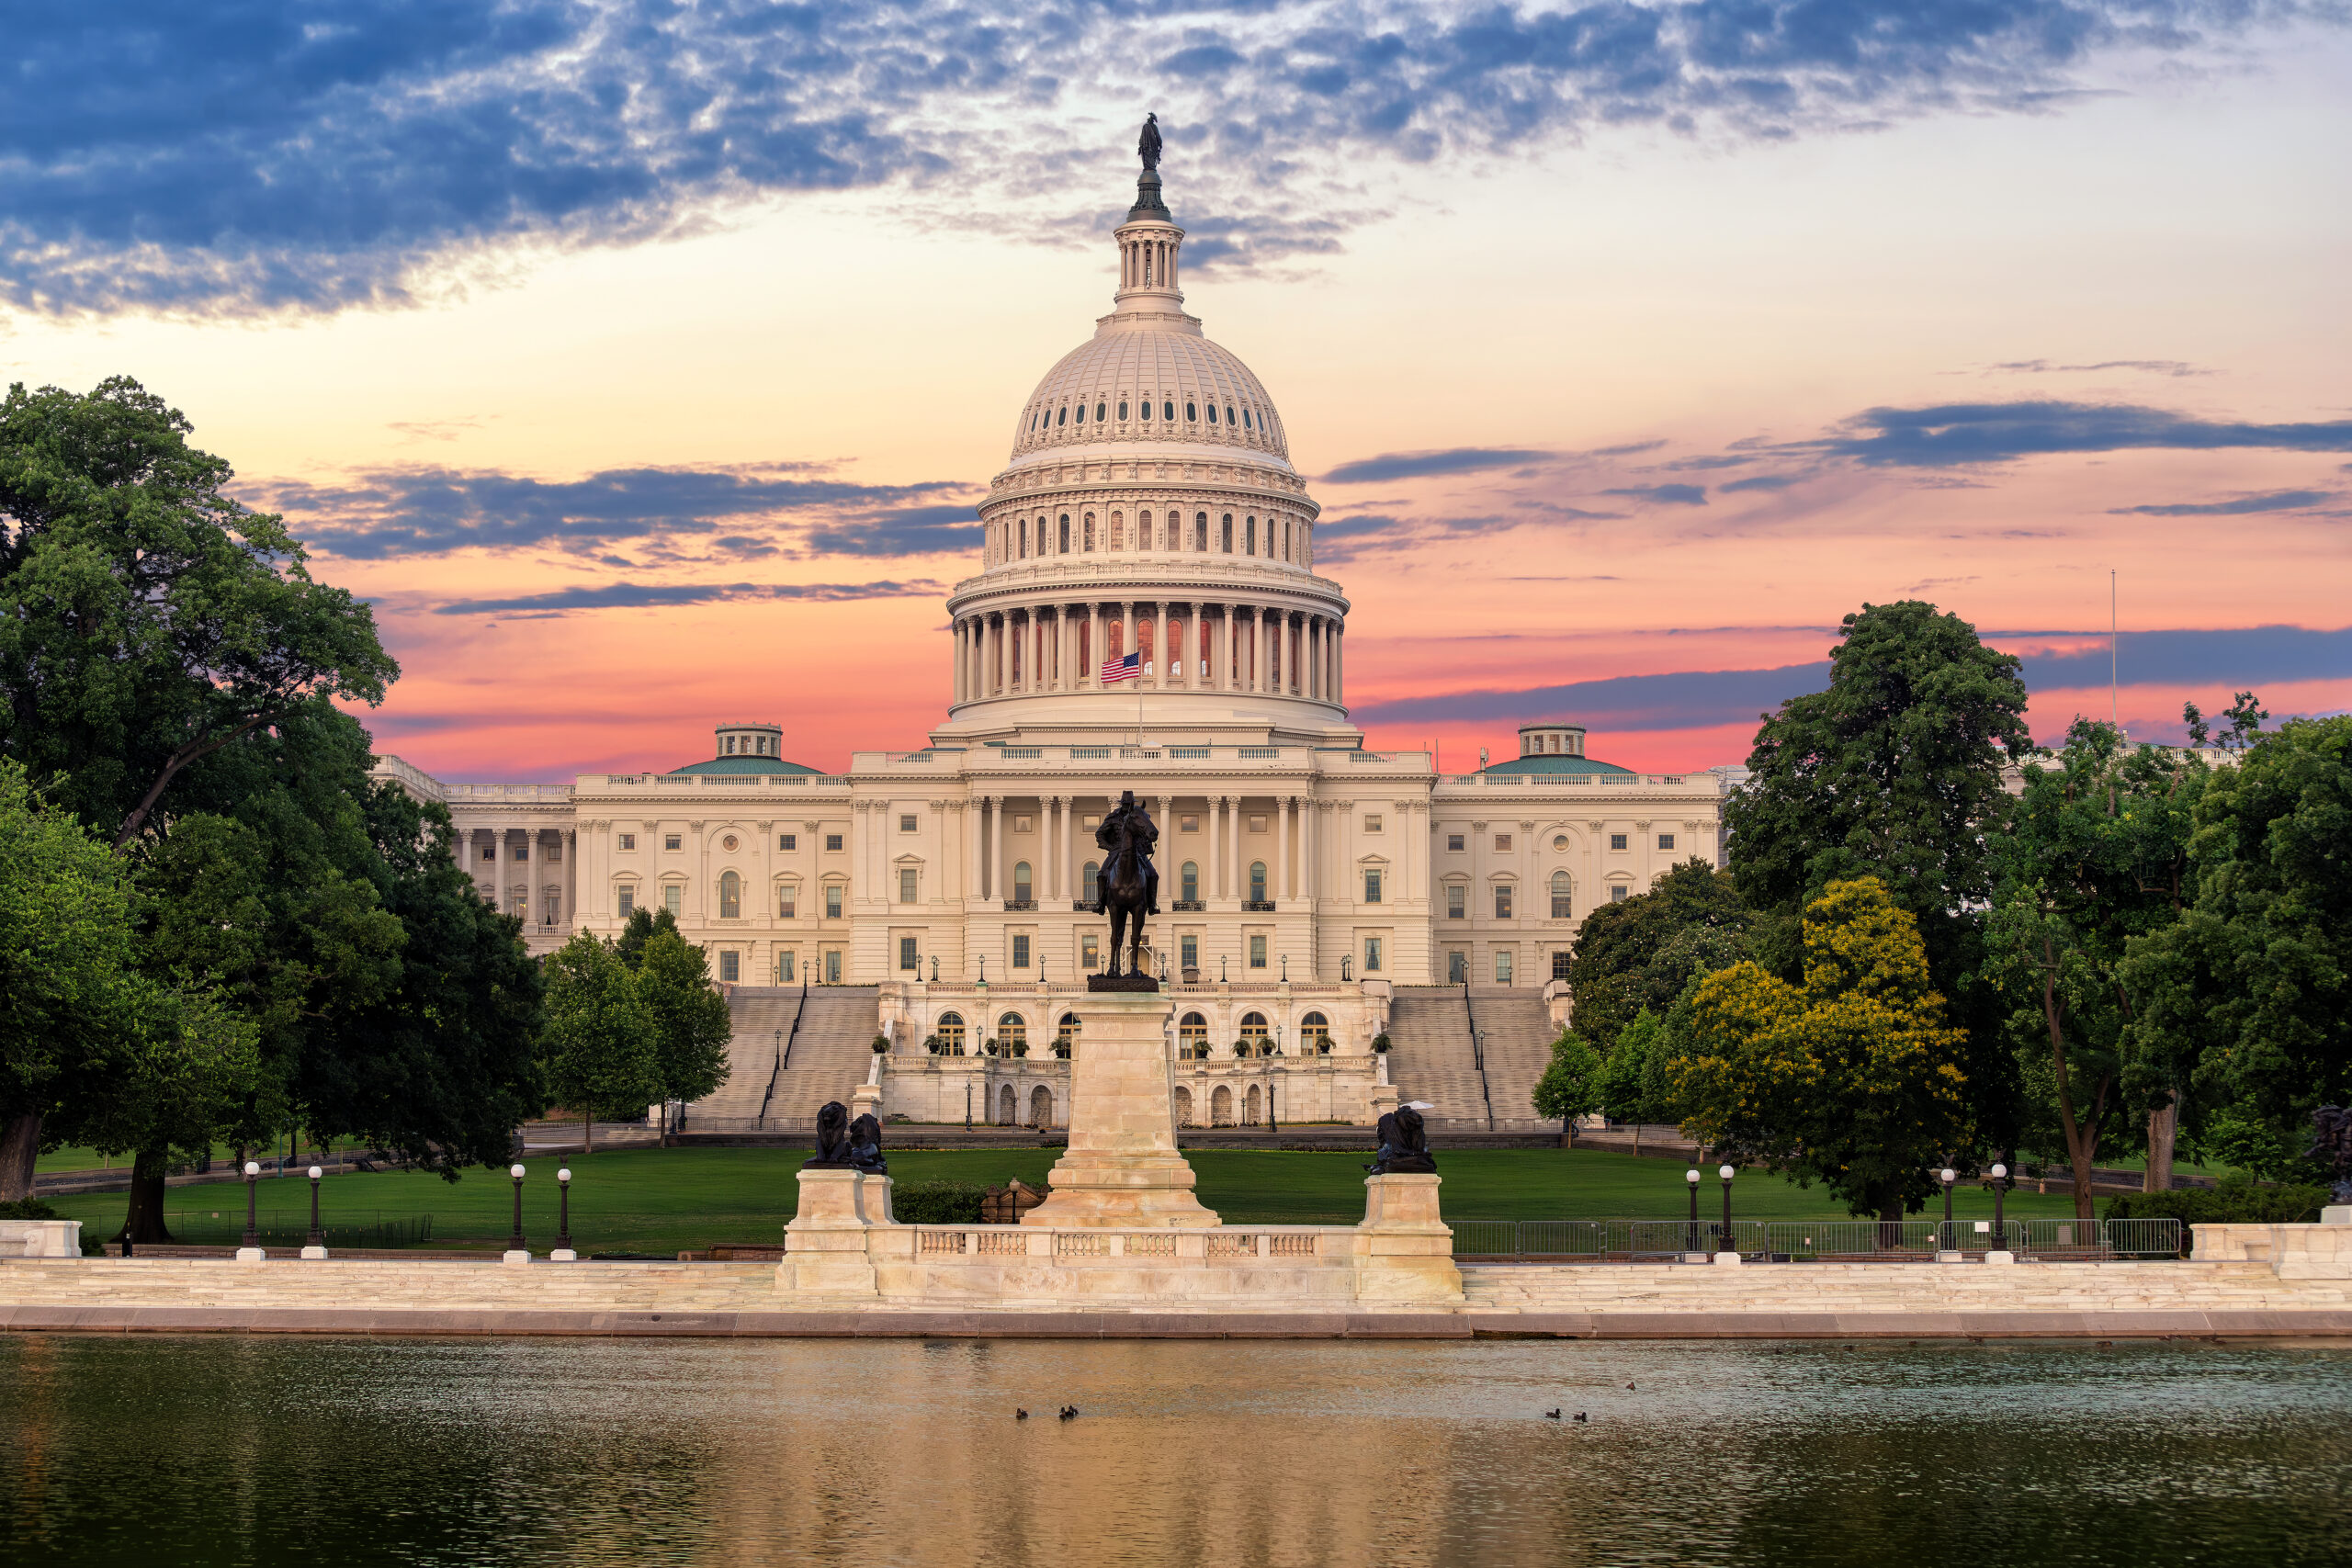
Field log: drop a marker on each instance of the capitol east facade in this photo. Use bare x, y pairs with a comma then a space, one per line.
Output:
1149, 506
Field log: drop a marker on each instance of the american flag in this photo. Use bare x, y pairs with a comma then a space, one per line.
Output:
1127, 669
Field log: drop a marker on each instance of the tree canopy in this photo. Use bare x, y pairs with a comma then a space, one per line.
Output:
689, 1015
1854, 1080
600, 1048
1641, 951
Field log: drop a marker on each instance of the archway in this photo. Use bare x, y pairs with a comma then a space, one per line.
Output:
1004, 1111
1221, 1106
1250, 1107
1183, 1106
1041, 1107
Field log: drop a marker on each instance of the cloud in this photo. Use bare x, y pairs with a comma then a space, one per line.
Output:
2276, 500
2239, 658
638, 596
909, 531
1665, 495
1419, 465
1949, 433
1759, 481
348, 152
2148, 367
426, 510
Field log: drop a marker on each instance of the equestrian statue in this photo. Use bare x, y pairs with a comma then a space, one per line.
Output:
1127, 887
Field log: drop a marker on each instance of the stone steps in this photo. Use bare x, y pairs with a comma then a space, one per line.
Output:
1429, 1057
1519, 1035
1865, 1287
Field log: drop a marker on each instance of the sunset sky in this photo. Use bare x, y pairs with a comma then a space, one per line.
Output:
641, 363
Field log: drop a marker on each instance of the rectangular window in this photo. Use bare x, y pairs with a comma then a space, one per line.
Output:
1617, 895
1189, 950
906, 822
833, 901
1457, 969
907, 884
1021, 824
1020, 952
1372, 824
1502, 968
1257, 953
784, 975
787, 901
1188, 824
488, 853
522, 853
674, 898
1257, 824
1666, 841
1502, 900
1559, 966
833, 843
1090, 951
833, 966
555, 853
1457, 902
731, 966
1371, 955
625, 900
673, 842
1453, 842
787, 841
1371, 886
1616, 841
1502, 840
908, 957
628, 841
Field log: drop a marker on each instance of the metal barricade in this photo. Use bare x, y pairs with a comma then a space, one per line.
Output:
2147, 1238
1877, 1241
1573, 1239
2076, 1239
1484, 1238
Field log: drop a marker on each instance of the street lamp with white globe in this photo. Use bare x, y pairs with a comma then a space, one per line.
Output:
563, 1252
516, 1253
316, 1247
251, 1251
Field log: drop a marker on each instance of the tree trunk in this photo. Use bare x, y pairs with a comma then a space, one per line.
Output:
144, 1223
2164, 1121
20, 1146
2078, 1145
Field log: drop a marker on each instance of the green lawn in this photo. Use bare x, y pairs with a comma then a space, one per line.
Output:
665, 1201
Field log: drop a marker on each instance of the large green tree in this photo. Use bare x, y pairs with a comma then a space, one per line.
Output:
600, 1048
2251, 989
1855, 1079
2095, 855
690, 1016
1896, 773
1640, 952
1570, 1086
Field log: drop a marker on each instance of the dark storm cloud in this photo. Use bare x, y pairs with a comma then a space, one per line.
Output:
246, 157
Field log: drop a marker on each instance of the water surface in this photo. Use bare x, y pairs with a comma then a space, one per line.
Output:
222, 1449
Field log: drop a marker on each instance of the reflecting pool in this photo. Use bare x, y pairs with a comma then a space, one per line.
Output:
233, 1449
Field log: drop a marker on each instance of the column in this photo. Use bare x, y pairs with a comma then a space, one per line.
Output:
1061, 647
1127, 629
958, 695
1001, 855
1310, 842
1233, 850
1216, 863
974, 827
1092, 673
1339, 663
1225, 676
992, 832
1166, 675
1307, 643
1282, 888
1258, 650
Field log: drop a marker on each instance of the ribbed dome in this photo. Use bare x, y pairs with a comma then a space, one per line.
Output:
1213, 397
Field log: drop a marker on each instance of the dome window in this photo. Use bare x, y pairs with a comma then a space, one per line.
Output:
1211, 413
1245, 420
1082, 413
1147, 410
1228, 414
1123, 408
1189, 412
1098, 413
1063, 418
1168, 408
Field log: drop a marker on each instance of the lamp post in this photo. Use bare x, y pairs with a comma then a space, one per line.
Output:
563, 1252
1691, 1177
2000, 1252
251, 1251
317, 1246
1728, 1248
1947, 1240
967, 1103
516, 1253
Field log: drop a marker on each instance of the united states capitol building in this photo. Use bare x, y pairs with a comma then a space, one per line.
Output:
1316, 895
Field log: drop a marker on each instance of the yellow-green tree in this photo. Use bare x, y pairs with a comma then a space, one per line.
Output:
1853, 1079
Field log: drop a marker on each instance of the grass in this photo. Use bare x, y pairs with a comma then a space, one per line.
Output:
665, 1201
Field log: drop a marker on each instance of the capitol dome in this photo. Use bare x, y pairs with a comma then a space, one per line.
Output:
1148, 511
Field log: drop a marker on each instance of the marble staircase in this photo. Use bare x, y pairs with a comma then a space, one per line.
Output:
1517, 1031
1429, 1057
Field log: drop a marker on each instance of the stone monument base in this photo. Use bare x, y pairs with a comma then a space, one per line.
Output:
1122, 1168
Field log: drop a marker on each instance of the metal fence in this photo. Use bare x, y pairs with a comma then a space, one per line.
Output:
292, 1228
1809, 1241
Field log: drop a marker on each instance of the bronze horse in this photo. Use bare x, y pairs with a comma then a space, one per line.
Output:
1128, 885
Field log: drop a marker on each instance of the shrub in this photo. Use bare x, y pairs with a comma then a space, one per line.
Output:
2237, 1201
941, 1203
28, 1208
1380, 1042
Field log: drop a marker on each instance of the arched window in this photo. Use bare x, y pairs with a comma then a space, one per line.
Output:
1090, 531
1066, 1035
1211, 413
1193, 1037
1021, 535
1168, 409
731, 896
1020, 882
1123, 408
1285, 538
1249, 537
1098, 413
1228, 414
1254, 1040
951, 1033
1118, 531
1065, 549
1147, 408
1256, 881
1143, 530
1201, 531
1315, 1035
1190, 412
1563, 895
1188, 879
1082, 413
1062, 418
1228, 533
1245, 419
1012, 1035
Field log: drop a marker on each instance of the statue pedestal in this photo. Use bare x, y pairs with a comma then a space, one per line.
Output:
824, 1246
1122, 1168
1404, 1251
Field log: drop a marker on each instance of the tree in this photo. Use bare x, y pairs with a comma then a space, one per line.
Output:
1855, 1079
66, 956
1637, 1079
600, 1048
1893, 773
2095, 854
1640, 952
642, 924
691, 1017
147, 619
1570, 1086
2252, 986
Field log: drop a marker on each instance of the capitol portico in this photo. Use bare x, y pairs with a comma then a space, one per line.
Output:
1149, 507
